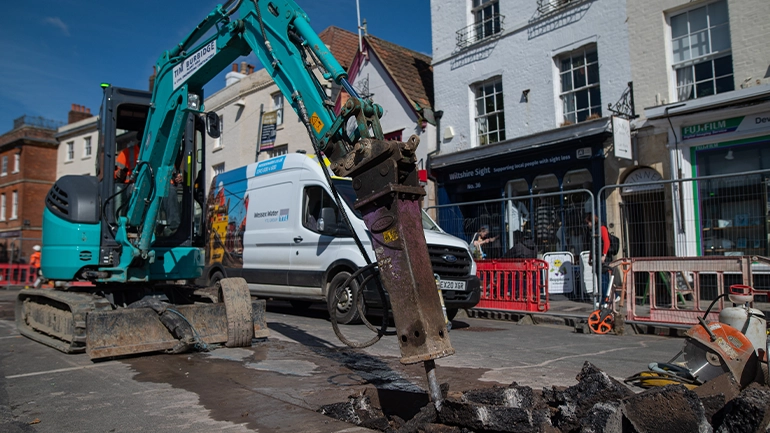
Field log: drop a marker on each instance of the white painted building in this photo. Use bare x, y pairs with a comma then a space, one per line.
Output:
523, 49
78, 140
524, 88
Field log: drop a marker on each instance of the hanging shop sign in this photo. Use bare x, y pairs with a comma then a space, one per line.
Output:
725, 126
269, 126
621, 135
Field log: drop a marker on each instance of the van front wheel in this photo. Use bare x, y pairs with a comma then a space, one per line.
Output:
342, 301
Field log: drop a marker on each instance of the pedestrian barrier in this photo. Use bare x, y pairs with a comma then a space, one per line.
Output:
16, 274
678, 290
513, 285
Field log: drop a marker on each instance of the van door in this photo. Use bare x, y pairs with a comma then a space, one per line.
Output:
312, 252
267, 238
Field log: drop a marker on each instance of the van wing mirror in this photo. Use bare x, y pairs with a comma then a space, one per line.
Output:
327, 223
213, 127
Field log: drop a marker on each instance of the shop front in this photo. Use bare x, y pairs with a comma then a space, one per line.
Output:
722, 148
529, 188
733, 211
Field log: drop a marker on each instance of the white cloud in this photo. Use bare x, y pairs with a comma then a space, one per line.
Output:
58, 23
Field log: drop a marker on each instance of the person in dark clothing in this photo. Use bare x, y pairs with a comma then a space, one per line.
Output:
522, 248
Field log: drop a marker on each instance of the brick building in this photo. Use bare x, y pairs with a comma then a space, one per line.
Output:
27, 171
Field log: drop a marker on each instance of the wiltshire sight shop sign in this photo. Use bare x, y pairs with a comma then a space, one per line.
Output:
724, 126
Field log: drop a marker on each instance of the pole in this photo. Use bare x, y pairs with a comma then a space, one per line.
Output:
358, 24
259, 132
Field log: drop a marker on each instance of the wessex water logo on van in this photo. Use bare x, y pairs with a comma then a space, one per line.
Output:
273, 216
269, 166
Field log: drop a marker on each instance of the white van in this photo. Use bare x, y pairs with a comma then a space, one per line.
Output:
262, 227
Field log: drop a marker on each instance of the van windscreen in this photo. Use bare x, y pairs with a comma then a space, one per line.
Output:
345, 188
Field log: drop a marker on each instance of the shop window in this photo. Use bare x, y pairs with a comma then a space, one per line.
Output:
490, 117
580, 94
702, 56
733, 209
517, 208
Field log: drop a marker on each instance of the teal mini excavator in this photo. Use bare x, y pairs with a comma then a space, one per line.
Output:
124, 261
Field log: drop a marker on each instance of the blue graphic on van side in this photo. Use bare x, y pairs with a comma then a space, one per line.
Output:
270, 166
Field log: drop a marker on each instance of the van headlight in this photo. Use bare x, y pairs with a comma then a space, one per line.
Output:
473, 265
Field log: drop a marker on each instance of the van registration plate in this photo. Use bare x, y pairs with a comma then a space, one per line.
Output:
452, 285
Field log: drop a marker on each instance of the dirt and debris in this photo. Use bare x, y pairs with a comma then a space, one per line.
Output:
597, 403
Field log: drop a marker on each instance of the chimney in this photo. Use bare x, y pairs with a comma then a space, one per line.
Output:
251, 69
152, 78
78, 113
234, 76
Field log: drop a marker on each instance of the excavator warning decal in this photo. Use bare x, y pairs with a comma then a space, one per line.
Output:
390, 236
318, 125
184, 70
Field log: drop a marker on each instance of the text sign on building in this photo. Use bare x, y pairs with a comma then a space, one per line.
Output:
269, 125
478, 173
726, 126
621, 135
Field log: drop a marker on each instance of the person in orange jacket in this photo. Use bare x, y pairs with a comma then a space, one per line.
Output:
34, 262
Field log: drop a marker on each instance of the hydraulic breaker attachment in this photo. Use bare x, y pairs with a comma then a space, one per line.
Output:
387, 187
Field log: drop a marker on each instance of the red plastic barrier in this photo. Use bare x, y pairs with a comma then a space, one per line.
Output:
17, 275
513, 284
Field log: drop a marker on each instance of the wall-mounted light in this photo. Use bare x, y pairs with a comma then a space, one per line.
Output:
729, 155
525, 95
240, 103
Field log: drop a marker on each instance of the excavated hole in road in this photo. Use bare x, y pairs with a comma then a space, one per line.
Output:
596, 403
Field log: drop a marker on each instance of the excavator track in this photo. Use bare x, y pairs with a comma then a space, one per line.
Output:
76, 322
56, 318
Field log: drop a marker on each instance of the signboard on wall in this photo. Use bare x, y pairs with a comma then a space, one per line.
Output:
621, 135
561, 278
725, 126
269, 126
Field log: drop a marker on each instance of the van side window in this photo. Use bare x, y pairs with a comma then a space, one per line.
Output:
314, 199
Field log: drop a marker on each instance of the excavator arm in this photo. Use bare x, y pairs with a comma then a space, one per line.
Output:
383, 172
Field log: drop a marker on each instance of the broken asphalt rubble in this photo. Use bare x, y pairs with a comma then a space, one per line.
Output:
597, 403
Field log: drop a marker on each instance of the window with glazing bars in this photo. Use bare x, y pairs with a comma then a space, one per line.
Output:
490, 116
702, 56
486, 15
580, 94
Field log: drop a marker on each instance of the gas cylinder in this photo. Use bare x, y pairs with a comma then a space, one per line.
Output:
750, 321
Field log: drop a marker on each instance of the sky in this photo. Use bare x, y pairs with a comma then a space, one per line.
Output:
55, 53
